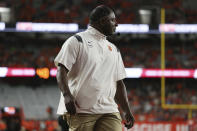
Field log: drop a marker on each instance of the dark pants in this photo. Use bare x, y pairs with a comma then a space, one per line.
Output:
63, 123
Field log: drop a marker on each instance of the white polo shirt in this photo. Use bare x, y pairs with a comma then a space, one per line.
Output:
95, 65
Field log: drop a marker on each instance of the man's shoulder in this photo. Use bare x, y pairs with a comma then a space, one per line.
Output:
76, 37
83, 33
84, 36
80, 36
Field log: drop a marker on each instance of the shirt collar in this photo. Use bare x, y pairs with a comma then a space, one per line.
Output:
95, 32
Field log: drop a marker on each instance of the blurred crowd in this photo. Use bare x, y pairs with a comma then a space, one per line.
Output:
68, 11
141, 53
28, 54
145, 98
144, 95
146, 53
180, 11
77, 11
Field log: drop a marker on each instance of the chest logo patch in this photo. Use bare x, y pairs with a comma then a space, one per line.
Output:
90, 44
109, 47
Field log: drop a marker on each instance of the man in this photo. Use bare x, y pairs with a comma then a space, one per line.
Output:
90, 75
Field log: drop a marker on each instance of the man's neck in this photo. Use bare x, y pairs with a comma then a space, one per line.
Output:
97, 27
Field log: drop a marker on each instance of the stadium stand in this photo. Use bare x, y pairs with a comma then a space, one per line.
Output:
145, 97
179, 54
37, 98
33, 101
76, 11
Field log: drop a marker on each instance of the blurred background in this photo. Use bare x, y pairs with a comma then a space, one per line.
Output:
158, 43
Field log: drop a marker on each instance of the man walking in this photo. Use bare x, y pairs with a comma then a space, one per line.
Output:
90, 75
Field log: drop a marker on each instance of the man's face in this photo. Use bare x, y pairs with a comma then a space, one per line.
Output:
108, 24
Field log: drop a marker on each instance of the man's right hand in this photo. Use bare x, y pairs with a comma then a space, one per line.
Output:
70, 104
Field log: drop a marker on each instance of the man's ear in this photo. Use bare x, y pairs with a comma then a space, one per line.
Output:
102, 21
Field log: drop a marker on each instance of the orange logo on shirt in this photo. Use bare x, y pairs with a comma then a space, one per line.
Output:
110, 48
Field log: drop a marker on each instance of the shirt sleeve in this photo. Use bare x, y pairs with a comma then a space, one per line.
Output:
121, 73
61, 107
68, 53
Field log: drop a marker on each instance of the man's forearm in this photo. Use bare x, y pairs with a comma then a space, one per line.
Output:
62, 80
121, 96
122, 99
